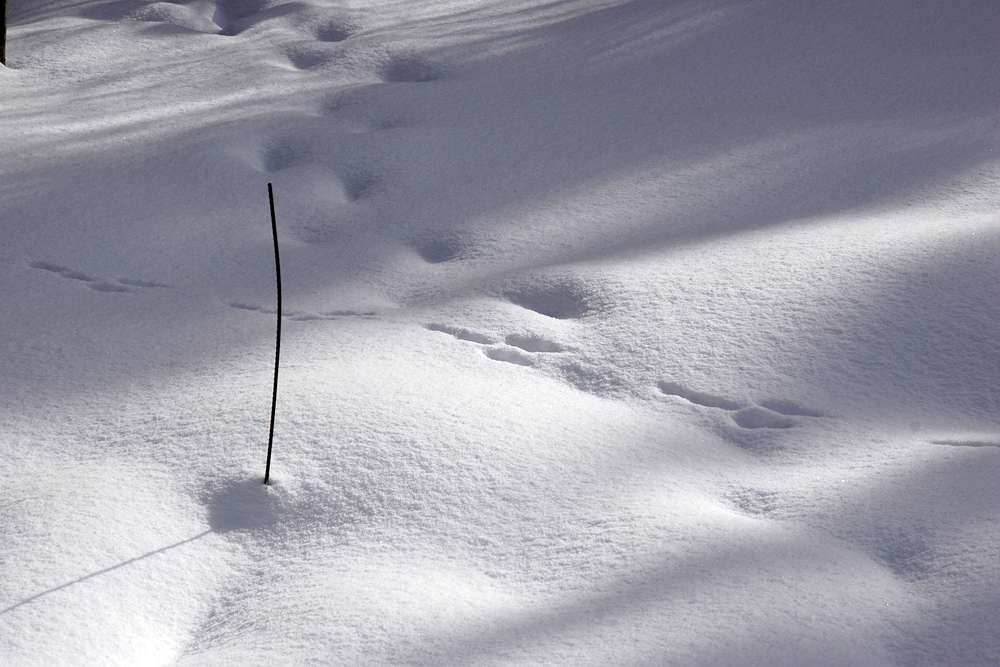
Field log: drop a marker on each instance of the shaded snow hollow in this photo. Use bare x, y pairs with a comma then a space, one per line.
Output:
617, 332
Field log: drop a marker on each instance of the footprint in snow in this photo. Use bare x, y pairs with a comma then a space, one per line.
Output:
462, 334
757, 417
300, 316
515, 349
313, 197
98, 284
408, 68
768, 413
966, 443
561, 298
699, 397
533, 343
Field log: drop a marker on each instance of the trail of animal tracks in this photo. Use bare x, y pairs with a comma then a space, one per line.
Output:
616, 333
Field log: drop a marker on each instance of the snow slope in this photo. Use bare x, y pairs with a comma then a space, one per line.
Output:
616, 332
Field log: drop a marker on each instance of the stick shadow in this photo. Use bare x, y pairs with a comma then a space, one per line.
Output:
237, 505
105, 571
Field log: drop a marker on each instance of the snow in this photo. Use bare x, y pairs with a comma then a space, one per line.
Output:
616, 332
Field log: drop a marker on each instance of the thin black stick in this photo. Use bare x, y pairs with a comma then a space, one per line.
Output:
277, 339
3, 33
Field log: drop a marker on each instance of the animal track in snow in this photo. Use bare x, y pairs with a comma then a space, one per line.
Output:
965, 443
509, 355
358, 183
533, 344
756, 417
770, 413
341, 184
462, 334
336, 30
789, 408
142, 283
438, 251
300, 316
359, 108
559, 298
98, 284
408, 69
282, 154
306, 56
314, 198
512, 351
699, 397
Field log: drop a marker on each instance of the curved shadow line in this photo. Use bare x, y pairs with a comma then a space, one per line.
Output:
104, 571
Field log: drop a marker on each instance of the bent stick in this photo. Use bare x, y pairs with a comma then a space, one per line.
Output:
277, 338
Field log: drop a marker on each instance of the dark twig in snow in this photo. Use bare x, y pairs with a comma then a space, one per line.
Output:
277, 340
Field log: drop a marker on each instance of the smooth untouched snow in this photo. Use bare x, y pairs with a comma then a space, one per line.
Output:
617, 332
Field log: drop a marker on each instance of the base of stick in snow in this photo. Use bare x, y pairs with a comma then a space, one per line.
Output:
277, 339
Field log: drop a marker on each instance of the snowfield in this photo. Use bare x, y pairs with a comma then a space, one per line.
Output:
616, 332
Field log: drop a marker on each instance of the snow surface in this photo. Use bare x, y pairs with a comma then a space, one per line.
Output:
617, 332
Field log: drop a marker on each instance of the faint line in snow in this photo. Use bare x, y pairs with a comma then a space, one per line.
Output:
104, 571
965, 443
98, 284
